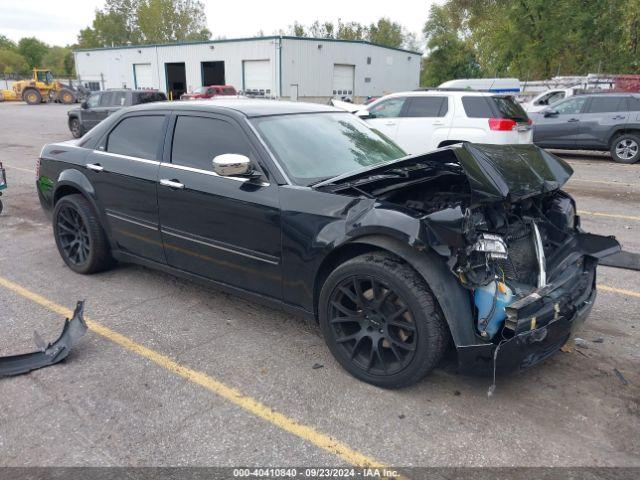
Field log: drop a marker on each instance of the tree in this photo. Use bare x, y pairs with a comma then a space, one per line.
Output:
59, 60
33, 50
12, 62
123, 22
7, 44
387, 33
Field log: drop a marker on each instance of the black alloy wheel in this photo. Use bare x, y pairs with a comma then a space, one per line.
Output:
381, 321
73, 235
373, 325
79, 236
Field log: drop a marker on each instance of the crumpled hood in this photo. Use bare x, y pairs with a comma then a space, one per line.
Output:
494, 172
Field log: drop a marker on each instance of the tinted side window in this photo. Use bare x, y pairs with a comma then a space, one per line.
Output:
94, 100
478, 107
571, 106
388, 108
427, 107
147, 97
118, 99
107, 99
197, 140
634, 104
606, 104
137, 137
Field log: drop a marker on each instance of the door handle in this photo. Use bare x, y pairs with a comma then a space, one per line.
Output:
438, 123
390, 124
171, 183
619, 117
573, 120
96, 167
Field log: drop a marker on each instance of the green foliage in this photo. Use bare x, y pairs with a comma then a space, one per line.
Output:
531, 39
33, 50
7, 44
123, 22
12, 62
60, 61
383, 32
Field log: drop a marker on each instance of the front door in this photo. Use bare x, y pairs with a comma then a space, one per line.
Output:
384, 116
226, 229
124, 173
90, 114
559, 129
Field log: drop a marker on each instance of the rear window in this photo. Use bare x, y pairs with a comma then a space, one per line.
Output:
138, 136
634, 104
606, 104
426, 107
493, 107
148, 97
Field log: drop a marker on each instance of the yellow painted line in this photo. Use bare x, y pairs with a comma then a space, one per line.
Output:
619, 291
21, 169
609, 215
231, 394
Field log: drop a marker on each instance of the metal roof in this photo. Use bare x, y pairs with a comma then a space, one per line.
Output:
246, 39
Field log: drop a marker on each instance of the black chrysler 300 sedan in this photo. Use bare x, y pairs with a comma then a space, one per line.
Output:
303, 206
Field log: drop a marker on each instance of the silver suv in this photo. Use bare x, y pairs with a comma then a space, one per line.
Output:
609, 121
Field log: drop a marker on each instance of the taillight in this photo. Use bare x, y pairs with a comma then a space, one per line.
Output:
502, 124
529, 121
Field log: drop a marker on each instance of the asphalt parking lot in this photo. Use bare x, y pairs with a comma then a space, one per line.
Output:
174, 374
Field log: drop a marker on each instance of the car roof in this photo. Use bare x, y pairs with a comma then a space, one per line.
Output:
440, 92
247, 107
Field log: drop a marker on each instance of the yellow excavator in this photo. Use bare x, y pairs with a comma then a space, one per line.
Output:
41, 88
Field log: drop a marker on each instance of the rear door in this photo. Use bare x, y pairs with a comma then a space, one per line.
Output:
559, 129
124, 173
601, 114
90, 114
226, 229
424, 122
385, 114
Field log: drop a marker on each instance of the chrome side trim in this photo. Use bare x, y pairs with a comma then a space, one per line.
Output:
130, 220
127, 157
209, 172
225, 248
266, 147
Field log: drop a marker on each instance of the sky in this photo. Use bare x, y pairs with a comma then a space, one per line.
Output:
58, 22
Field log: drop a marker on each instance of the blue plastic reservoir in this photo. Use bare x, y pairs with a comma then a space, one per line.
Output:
491, 317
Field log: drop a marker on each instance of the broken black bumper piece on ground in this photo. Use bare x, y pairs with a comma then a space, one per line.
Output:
47, 354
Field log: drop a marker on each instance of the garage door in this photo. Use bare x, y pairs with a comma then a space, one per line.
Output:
142, 75
257, 76
343, 80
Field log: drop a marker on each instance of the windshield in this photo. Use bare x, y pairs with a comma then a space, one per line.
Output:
314, 147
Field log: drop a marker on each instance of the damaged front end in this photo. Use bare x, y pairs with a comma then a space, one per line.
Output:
47, 354
508, 234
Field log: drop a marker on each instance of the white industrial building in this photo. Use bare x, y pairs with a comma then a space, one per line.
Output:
308, 69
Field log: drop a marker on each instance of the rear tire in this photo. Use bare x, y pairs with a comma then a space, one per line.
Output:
381, 321
80, 238
66, 96
76, 127
625, 148
32, 96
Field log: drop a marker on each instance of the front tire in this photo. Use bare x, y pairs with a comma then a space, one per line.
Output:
81, 240
32, 97
381, 321
626, 148
76, 127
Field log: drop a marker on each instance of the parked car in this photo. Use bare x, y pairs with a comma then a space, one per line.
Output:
210, 92
397, 257
420, 121
603, 121
99, 105
543, 100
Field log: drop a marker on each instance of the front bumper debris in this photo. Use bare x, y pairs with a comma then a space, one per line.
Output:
47, 354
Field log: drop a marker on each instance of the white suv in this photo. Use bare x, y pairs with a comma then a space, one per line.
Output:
420, 121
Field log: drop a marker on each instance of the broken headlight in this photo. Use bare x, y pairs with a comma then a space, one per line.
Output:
493, 245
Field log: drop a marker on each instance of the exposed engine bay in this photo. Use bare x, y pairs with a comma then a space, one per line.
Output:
508, 233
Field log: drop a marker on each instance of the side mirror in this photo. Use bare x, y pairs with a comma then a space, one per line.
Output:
550, 113
232, 165
364, 114
84, 105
